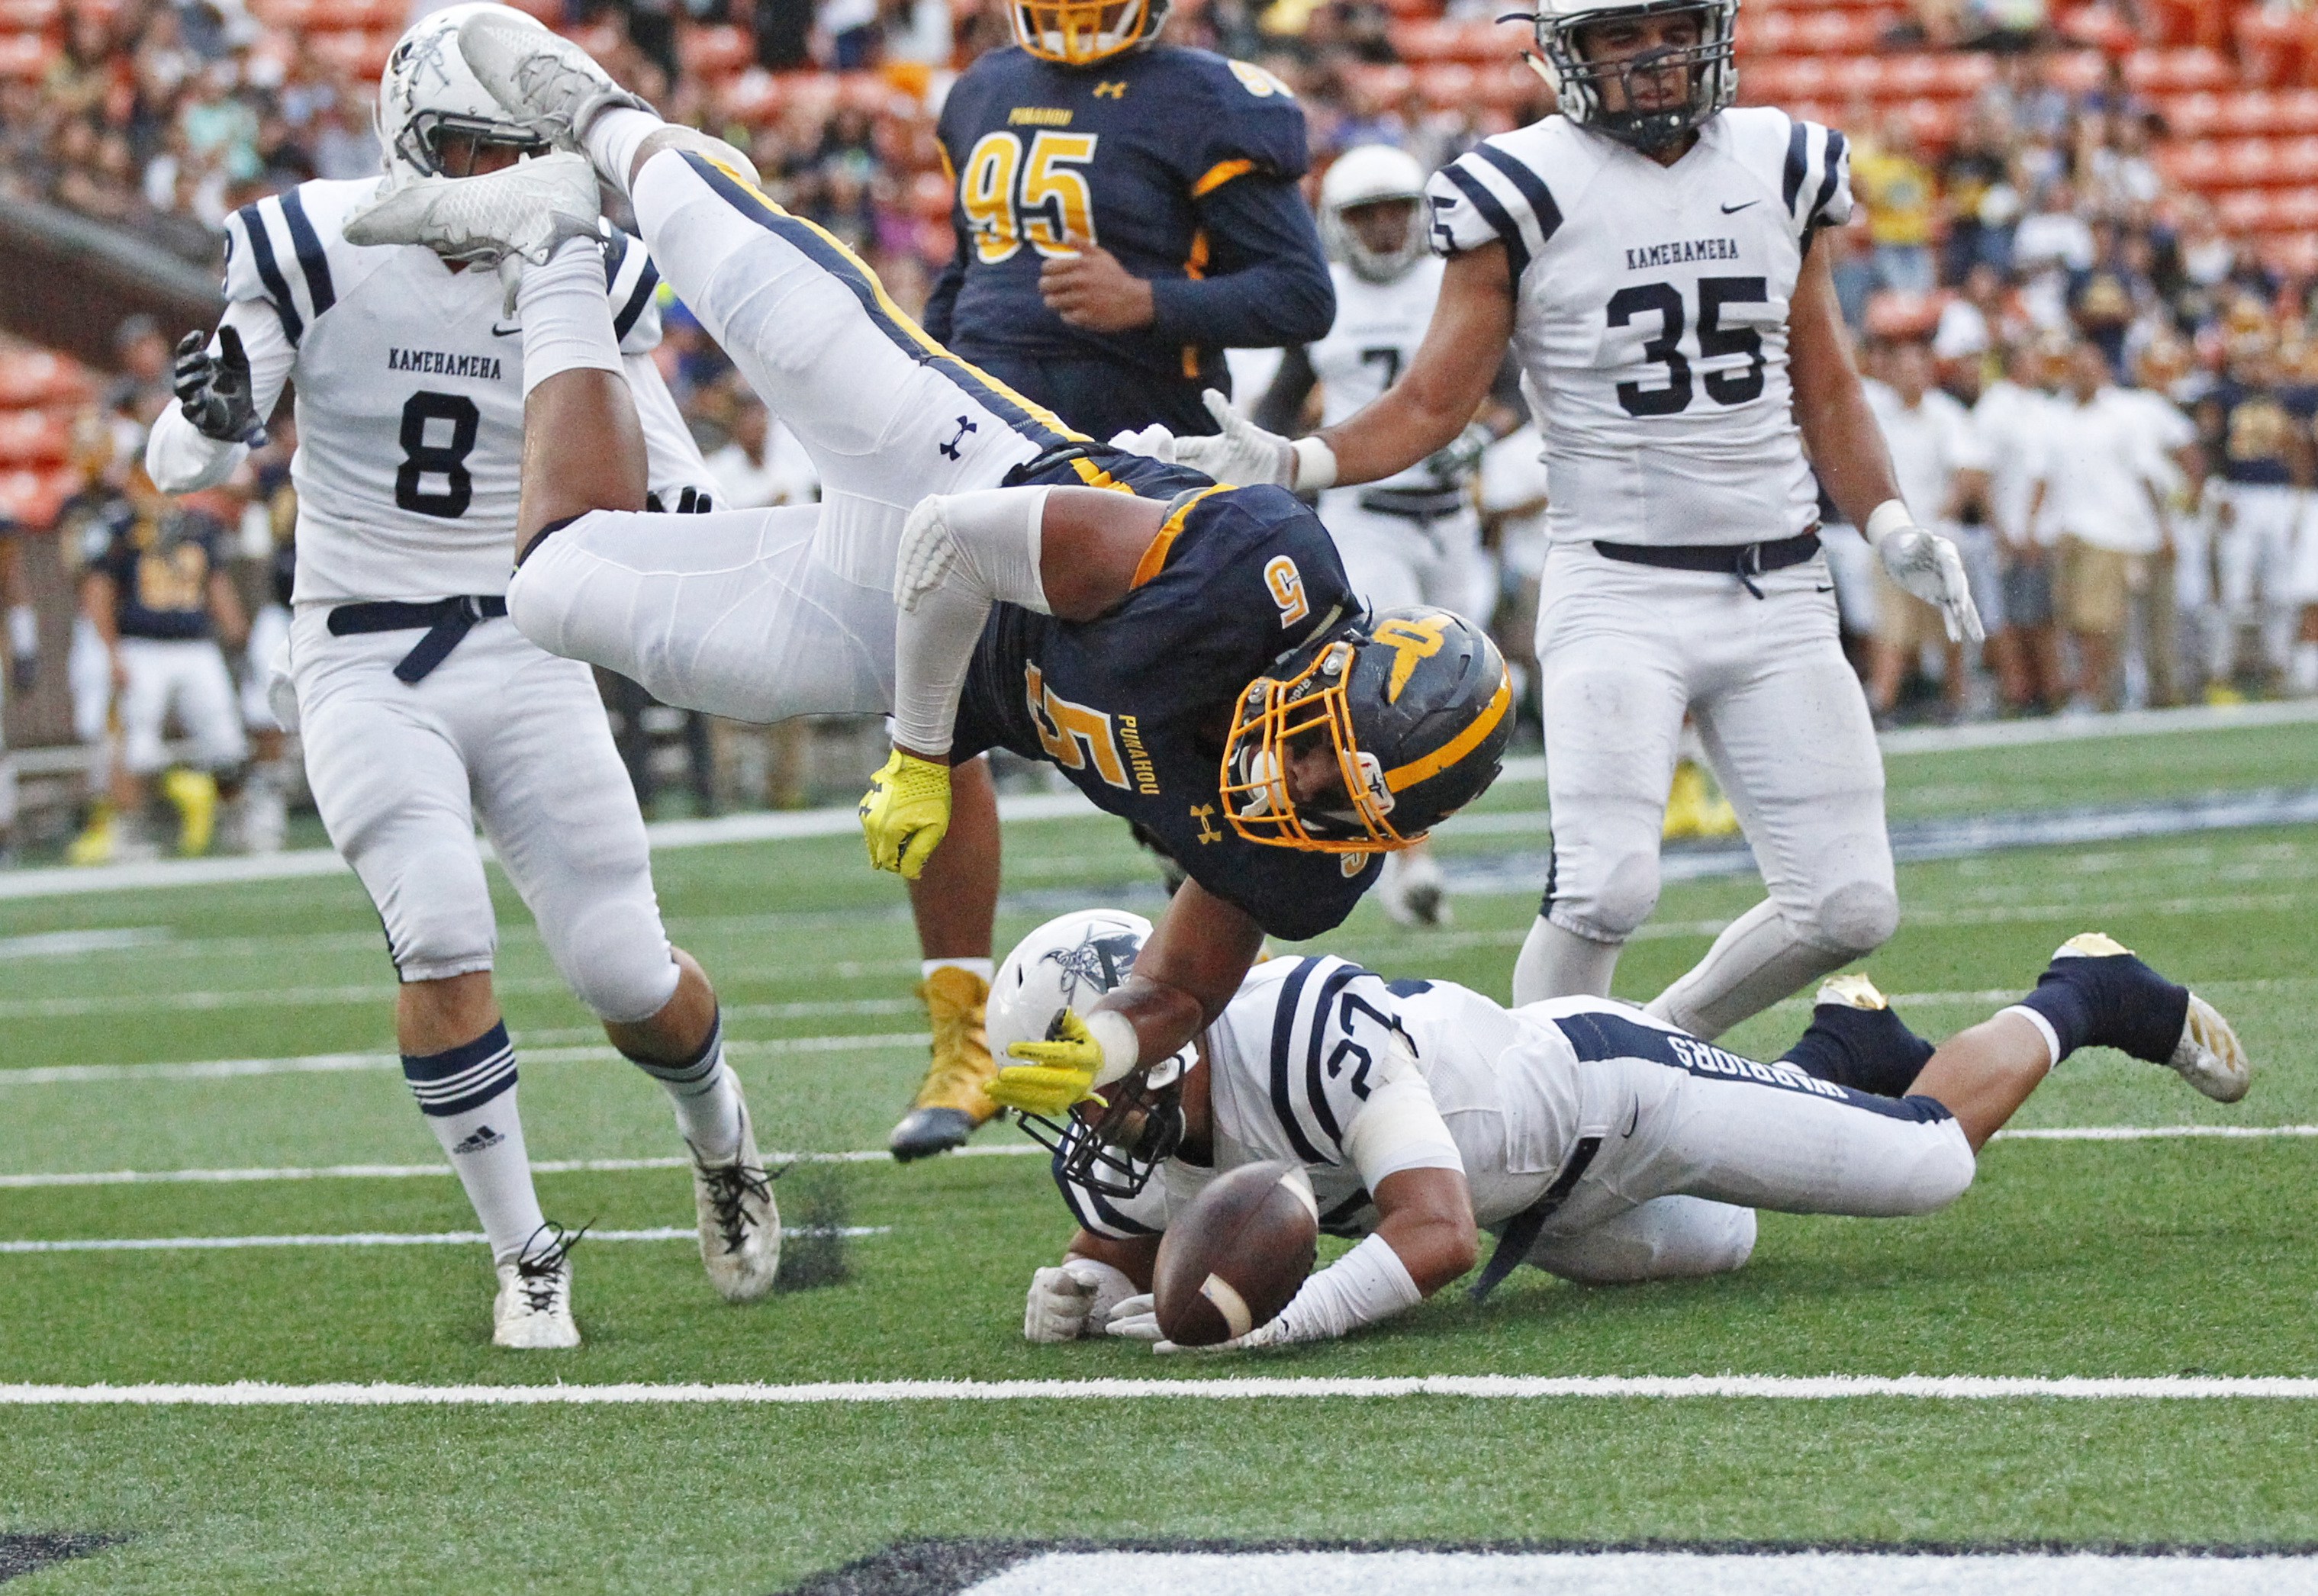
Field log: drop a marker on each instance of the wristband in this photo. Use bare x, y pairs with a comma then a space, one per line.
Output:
1315, 465
1889, 517
1122, 1049
23, 631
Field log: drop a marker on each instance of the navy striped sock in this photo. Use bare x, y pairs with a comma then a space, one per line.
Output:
461, 1078
704, 1095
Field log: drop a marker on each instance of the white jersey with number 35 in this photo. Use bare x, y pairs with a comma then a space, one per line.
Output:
1650, 316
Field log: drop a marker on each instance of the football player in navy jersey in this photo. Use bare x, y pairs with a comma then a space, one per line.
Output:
1188, 653
1125, 209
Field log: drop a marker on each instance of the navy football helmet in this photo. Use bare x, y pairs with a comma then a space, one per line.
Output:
1413, 702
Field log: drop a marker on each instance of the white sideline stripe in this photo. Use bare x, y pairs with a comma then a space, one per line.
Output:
878, 1155
445, 1238
545, 1166
1492, 1387
335, 1063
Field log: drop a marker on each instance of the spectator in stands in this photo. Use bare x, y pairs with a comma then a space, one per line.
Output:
2099, 500
23, 668
2011, 420
1899, 193
762, 464
1936, 458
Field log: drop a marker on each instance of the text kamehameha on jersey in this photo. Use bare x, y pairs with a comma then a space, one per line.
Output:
1682, 251
441, 363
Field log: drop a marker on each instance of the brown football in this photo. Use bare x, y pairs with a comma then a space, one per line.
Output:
1236, 1255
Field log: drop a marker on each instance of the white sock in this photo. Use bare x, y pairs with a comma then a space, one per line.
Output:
986, 968
614, 137
468, 1095
1558, 963
707, 1097
566, 321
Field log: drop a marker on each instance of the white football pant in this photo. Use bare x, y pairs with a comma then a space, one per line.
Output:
2254, 557
1393, 560
188, 675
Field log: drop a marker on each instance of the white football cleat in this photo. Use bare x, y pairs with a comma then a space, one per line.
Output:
1413, 891
528, 209
2209, 1057
548, 82
739, 1225
532, 1311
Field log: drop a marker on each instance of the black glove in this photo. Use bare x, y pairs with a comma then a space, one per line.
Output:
691, 502
214, 389
1454, 460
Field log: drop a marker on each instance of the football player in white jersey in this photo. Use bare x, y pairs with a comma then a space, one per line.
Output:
422, 709
1595, 1141
1415, 538
1648, 254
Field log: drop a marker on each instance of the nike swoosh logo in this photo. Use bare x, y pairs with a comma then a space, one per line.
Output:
505, 332
1828, 588
1731, 210
1636, 1120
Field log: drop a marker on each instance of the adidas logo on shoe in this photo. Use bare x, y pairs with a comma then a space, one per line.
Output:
484, 1138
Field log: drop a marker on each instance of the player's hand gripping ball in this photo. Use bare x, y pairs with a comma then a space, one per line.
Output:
905, 813
1235, 1257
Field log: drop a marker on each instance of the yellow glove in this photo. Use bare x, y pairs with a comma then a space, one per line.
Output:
1058, 1073
905, 813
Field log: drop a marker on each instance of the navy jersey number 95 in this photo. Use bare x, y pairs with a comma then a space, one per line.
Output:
1133, 706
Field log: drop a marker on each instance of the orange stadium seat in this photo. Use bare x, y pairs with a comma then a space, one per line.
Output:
31, 16
32, 498
1381, 84
357, 52
27, 55
716, 51
33, 437
2179, 71
1448, 83
31, 377
2275, 48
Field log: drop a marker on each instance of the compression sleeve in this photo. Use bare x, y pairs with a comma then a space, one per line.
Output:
1399, 1126
1268, 284
960, 553
181, 458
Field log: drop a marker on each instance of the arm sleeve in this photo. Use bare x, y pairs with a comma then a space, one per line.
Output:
1282, 404
960, 554
673, 459
1399, 1127
1268, 283
177, 456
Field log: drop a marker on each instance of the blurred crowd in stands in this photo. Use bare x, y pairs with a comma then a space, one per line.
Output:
2101, 390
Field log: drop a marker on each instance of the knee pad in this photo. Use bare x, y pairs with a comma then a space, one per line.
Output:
1941, 1172
616, 958
1856, 918
1621, 900
434, 930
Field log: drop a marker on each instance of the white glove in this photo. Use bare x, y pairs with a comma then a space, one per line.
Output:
1271, 1333
1076, 1299
1137, 1320
1927, 565
1154, 441
1243, 454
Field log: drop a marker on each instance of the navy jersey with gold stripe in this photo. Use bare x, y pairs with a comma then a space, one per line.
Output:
1133, 706
1178, 162
160, 565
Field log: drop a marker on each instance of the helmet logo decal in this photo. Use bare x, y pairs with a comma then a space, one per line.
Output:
1410, 641
1097, 964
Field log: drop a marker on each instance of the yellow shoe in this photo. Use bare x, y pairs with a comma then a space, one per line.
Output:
95, 844
1849, 991
1717, 818
195, 795
2221, 695
950, 1104
1685, 810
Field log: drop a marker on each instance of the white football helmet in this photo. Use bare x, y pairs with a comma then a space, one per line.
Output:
1713, 74
1113, 1143
428, 91
1372, 174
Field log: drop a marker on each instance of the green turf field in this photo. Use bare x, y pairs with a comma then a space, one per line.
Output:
2140, 1257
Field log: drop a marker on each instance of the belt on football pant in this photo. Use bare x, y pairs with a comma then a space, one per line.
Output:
1744, 560
447, 622
1521, 1232
1422, 504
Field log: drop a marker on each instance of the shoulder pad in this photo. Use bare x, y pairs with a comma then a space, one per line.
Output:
631, 281
1496, 193
1814, 173
1250, 122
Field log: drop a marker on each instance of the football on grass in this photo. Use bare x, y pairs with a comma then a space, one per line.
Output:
1236, 1255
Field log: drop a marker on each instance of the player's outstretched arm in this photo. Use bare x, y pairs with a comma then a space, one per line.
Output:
1848, 452
1066, 551
226, 386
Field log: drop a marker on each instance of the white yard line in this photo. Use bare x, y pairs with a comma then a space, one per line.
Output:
1490, 1388
336, 1063
878, 1155
446, 1238
545, 1166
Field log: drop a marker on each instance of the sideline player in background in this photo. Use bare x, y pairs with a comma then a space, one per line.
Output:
1125, 211
422, 713
1647, 254
23, 624
1598, 1143
1415, 538
2257, 443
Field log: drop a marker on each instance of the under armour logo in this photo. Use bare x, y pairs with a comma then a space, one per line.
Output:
1205, 813
964, 428
1112, 91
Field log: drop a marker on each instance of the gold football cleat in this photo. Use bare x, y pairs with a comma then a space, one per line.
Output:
951, 1103
1849, 991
